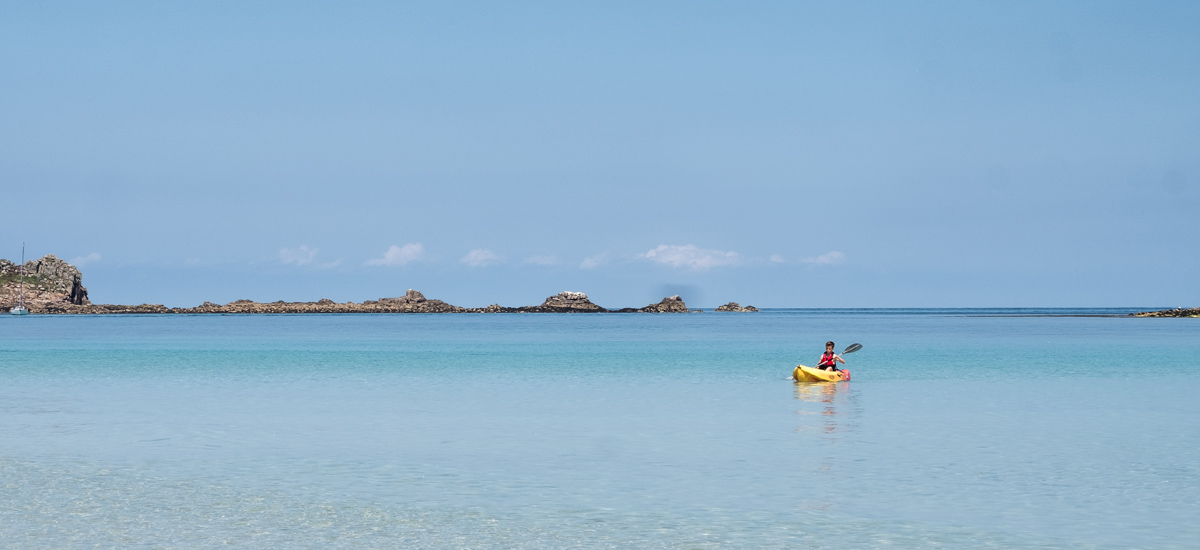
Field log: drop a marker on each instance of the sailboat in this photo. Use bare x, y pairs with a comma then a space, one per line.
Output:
21, 309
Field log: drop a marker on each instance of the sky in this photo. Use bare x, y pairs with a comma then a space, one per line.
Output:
779, 154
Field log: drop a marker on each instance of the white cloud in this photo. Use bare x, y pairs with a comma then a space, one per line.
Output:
399, 255
592, 262
690, 256
777, 258
328, 265
542, 260
480, 257
299, 256
84, 260
829, 258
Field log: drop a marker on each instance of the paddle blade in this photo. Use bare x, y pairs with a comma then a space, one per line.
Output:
852, 348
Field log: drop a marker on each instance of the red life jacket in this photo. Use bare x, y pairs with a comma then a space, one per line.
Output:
827, 360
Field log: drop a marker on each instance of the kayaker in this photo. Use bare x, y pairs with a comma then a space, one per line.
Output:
829, 359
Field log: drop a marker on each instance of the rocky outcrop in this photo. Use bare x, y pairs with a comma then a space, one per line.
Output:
733, 306
411, 297
49, 281
1177, 312
100, 309
565, 302
494, 308
412, 302
670, 304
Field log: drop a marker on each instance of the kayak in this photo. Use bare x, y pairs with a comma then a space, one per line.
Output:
810, 374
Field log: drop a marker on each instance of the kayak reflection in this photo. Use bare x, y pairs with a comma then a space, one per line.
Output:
826, 399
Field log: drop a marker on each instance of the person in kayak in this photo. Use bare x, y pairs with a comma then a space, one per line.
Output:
829, 359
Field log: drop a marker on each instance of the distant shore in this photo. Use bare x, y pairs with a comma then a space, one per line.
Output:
412, 302
52, 286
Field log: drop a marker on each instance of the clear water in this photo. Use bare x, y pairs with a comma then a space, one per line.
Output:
961, 428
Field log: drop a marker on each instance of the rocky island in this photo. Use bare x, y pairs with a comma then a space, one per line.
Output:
733, 306
55, 286
1177, 312
670, 304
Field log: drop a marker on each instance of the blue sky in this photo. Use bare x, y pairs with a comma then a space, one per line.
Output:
782, 154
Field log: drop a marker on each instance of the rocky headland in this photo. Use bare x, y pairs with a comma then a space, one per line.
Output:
49, 282
1177, 312
55, 286
733, 306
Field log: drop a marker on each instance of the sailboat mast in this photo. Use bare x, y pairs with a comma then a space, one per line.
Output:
21, 309
21, 299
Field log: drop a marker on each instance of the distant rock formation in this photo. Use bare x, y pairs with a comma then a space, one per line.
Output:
670, 304
412, 302
1177, 312
49, 282
494, 308
55, 286
565, 302
412, 297
733, 306
100, 309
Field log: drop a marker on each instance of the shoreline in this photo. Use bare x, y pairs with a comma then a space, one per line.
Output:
52, 286
412, 302
307, 308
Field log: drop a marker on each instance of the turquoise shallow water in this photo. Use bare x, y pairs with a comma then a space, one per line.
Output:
961, 428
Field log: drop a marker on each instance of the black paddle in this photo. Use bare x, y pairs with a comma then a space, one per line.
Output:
849, 349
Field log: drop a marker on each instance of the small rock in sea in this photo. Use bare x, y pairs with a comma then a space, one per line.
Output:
733, 306
565, 302
670, 304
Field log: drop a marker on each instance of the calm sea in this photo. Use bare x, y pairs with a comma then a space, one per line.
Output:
960, 428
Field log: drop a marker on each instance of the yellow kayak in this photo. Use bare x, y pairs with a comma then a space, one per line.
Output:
810, 374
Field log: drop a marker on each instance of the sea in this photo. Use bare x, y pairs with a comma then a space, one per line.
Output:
960, 428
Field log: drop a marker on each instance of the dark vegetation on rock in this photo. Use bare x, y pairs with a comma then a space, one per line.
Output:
1177, 312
